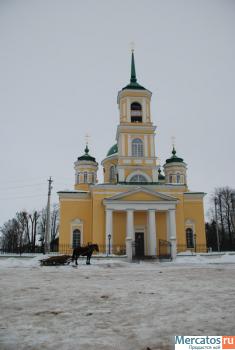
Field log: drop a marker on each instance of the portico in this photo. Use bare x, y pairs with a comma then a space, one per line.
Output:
135, 201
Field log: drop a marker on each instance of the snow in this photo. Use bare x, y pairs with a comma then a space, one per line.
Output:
113, 304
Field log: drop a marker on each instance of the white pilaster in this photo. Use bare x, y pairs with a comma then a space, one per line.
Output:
123, 145
128, 109
129, 146
152, 145
172, 231
109, 229
145, 145
121, 174
152, 239
155, 175
144, 109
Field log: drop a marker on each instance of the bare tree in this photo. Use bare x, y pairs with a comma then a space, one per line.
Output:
222, 201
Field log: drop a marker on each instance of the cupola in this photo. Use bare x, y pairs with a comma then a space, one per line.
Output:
175, 170
85, 171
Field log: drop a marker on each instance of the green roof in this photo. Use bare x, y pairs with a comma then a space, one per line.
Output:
133, 81
174, 158
87, 156
113, 150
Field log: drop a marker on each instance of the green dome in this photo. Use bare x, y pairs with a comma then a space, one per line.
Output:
174, 158
113, 150
160, 176
87, 156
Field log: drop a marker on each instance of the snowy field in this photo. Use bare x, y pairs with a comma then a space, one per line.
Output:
113, 304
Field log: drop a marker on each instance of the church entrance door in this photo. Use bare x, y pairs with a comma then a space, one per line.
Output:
139, 244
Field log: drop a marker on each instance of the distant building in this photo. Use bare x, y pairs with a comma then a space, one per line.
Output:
136, 202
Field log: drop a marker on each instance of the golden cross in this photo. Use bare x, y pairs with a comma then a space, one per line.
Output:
132, 46
173, 141
87, 136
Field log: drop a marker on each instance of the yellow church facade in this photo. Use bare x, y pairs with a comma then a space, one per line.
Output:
137, 210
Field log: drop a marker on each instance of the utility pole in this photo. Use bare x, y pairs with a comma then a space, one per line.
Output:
216, 223
48, 219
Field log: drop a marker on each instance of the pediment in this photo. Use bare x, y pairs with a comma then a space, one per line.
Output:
142, 194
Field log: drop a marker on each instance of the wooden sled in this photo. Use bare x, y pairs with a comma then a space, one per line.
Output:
56, 260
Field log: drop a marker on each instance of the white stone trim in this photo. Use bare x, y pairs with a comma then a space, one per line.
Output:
139, 189
76, 224
126, 161
138, 172
139, 205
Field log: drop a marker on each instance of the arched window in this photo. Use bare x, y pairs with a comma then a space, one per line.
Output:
85, 177
136, 112
189, 238
76, 238
178, 178
77, 178
138, 178
171, 179
137, 148
93, 178
112, 173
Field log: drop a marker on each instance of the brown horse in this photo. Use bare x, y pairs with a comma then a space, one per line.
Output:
84, 251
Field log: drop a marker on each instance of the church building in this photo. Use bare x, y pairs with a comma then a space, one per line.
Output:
137, 206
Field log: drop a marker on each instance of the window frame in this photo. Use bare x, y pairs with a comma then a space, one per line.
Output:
189, 238
137, 148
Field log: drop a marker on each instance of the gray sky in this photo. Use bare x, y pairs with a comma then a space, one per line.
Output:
62, 63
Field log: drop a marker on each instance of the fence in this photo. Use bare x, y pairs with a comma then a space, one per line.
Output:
198, 248
63, 249
164, 249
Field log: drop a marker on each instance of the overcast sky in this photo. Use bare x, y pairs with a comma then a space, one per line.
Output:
62, 63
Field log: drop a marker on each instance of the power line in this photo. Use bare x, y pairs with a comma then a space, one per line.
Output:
22, 186
19, 197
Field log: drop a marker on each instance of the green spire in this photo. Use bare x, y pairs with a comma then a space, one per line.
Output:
133, 74
133, 81
173, 151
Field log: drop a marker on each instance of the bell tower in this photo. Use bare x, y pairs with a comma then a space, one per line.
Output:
136, 134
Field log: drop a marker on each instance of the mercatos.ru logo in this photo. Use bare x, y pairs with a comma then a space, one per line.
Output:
204, 342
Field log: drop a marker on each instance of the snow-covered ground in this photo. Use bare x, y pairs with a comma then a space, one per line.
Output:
112, 304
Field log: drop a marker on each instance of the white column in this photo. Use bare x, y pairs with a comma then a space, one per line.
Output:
152, 239
109, 229
172, 231
129, 232
130, 223
129, 251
